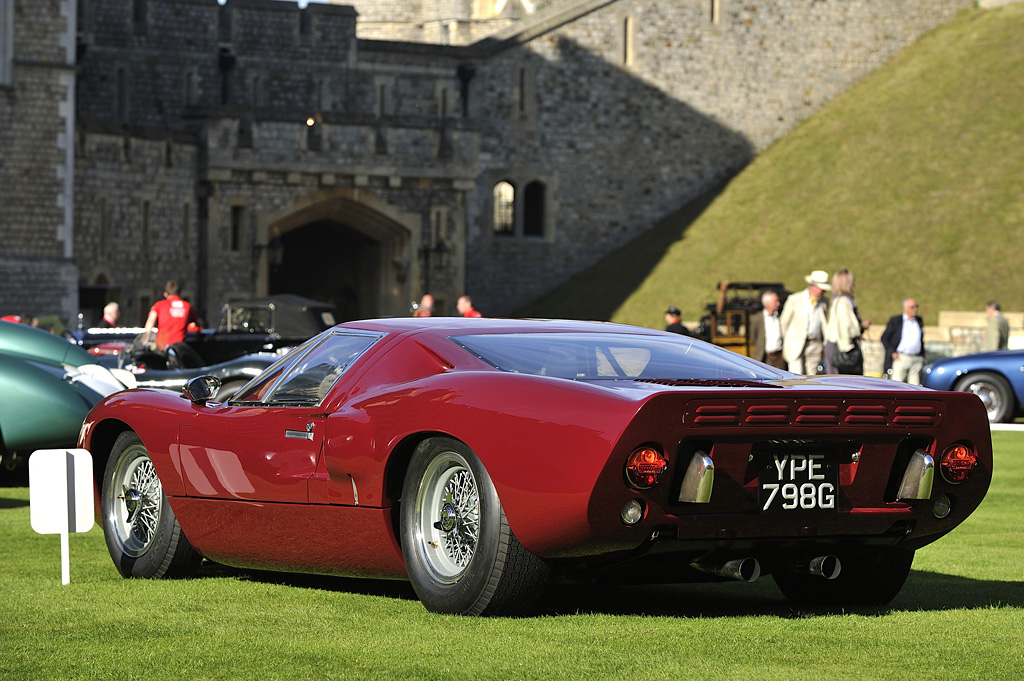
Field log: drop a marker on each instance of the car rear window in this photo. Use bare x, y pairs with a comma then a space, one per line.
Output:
595, 356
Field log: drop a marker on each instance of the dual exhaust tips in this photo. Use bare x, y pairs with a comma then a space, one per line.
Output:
749, 569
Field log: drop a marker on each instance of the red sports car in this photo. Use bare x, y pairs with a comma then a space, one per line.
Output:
482, 459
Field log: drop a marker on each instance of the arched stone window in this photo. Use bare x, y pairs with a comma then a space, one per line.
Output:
504, 197
533, 209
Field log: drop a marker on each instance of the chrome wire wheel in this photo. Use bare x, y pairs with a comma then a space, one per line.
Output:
994, 391
447, 517
137, 499
990, 397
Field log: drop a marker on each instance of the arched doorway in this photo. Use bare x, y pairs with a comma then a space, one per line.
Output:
341, 251
332, 262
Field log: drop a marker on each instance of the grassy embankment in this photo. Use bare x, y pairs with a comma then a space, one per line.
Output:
913, 179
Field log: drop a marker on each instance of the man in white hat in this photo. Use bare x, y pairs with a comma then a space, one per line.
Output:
803, 325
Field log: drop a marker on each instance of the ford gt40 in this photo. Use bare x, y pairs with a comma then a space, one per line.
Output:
483, 459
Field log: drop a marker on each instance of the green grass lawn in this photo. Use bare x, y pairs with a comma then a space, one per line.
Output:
913, 179
960, 615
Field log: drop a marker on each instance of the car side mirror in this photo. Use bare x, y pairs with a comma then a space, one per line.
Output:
201, 389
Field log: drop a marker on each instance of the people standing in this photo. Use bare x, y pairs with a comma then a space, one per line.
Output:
766, 332
171, 317
111, 313
803, 325
426, 306
673, 321
903, 340
465, 307
844, 328
997, 333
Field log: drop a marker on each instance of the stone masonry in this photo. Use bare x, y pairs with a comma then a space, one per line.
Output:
257, 147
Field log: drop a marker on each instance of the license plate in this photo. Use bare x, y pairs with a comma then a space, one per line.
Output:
798, 482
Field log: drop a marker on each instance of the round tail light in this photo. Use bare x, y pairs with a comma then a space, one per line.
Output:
644, 467
957, 462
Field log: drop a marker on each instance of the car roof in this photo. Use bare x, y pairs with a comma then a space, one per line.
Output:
447, 326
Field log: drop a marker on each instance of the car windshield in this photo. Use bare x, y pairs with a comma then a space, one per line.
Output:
588, 356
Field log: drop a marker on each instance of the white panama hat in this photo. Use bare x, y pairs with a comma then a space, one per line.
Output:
819, 278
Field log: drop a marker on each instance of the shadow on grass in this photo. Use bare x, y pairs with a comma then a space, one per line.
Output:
6, 502
924, 591
387, 588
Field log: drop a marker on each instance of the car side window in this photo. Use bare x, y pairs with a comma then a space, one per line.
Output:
310, 377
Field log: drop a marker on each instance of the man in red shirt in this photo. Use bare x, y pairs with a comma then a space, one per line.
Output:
465, 307
171, 316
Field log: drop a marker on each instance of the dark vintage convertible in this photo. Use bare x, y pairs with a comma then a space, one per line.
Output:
256, 325
483, 459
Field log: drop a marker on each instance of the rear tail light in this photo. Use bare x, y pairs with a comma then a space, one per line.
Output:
644, 467
957, 462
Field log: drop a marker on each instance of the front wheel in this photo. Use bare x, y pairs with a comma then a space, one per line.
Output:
870, 580
993, 390
143, 536
459, 550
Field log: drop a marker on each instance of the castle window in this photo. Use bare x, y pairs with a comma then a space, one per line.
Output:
237, 224
504, 208
145, 229
186, 224
224, 24
190, 88
122, 95
533, 209
305, 24
6, 42
522, 91
139, 8
627, 41
716, 11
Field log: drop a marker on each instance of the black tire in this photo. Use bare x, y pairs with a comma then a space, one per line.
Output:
143, 536
870, 580
460, 553
993, 390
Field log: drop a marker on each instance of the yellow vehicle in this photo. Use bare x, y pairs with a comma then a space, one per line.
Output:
727, 320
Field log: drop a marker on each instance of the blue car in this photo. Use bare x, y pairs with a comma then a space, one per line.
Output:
996, 377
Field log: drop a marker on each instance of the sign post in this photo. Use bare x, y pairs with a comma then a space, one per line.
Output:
60, 496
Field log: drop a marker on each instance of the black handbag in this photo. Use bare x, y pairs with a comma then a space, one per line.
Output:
850, 362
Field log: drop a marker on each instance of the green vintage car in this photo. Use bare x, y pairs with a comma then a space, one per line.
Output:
47, 386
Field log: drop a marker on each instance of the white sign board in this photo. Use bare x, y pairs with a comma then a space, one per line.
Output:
61, 495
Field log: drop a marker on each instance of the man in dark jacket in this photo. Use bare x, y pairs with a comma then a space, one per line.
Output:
903, 340
672, 319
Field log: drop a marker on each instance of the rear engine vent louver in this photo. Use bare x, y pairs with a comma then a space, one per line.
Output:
914, 415
718, 415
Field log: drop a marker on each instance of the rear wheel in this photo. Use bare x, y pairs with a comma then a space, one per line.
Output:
143, 536
459, 550
993, 390
870, 580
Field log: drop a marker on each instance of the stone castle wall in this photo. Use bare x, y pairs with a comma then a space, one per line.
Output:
638, 106
190, 112
37, 272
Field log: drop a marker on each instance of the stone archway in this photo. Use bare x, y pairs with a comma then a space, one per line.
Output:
340, 251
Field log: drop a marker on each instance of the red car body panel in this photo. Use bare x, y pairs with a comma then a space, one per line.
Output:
314, 488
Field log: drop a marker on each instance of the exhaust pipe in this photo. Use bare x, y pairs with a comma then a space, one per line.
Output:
828, 567
741, 569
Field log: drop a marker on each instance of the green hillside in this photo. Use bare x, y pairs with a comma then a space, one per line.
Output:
914, 180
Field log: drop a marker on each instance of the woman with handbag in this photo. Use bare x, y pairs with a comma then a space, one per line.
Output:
844, 328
